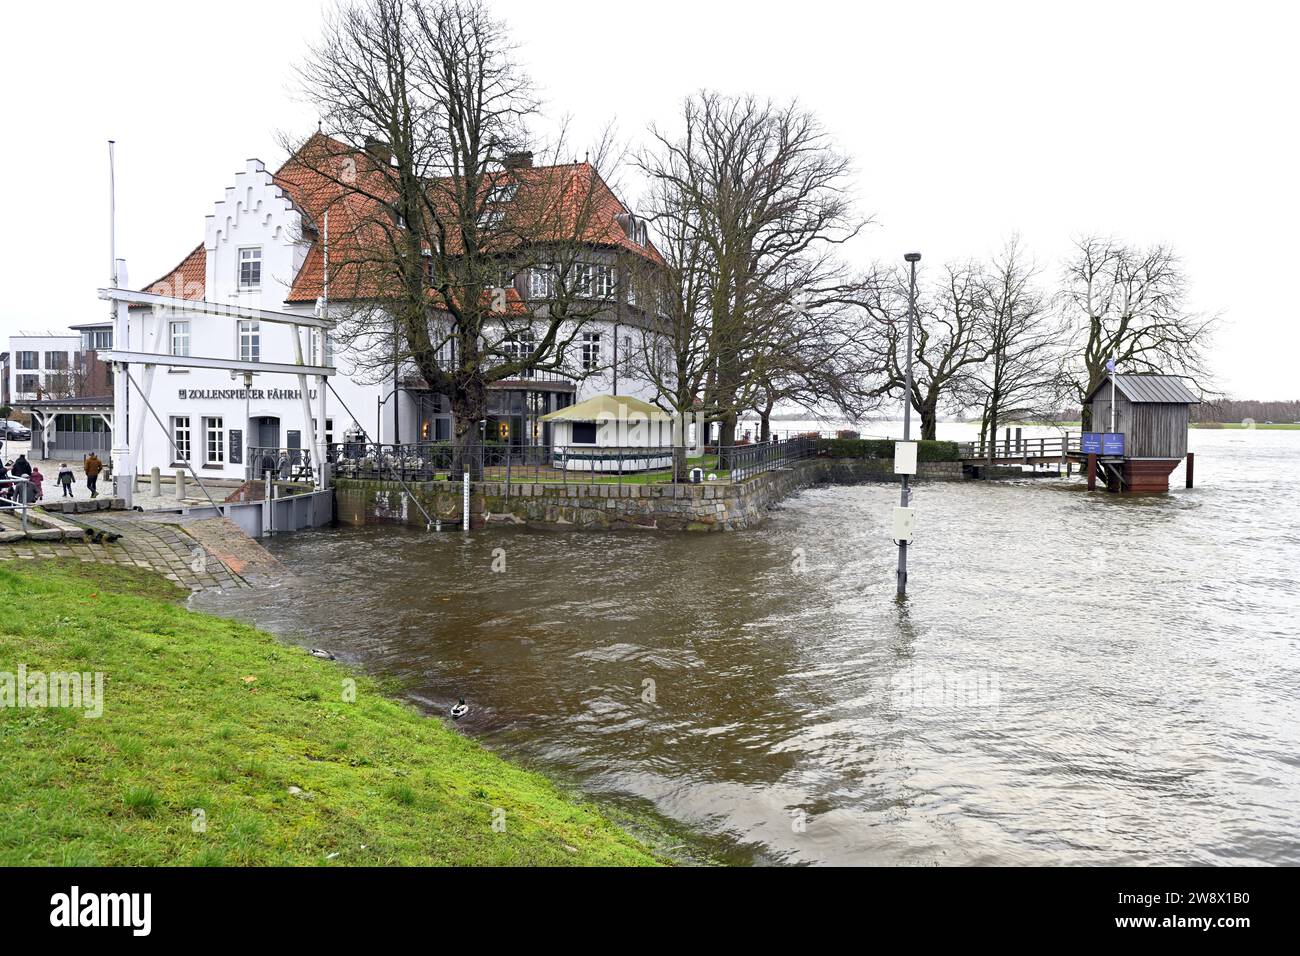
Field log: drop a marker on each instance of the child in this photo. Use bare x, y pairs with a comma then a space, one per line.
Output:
37, 481
65, 479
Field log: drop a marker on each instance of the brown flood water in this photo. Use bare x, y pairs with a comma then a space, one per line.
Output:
1076, 678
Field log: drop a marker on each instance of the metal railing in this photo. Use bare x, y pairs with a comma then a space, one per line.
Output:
1023, 450
746, 461
561, 464
282, 464
16, 496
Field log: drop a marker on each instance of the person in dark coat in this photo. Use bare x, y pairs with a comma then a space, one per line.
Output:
65, 479
22, 469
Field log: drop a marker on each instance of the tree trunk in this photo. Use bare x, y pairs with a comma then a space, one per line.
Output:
726, 440
466, 455
929, 422
765, 425
992, 437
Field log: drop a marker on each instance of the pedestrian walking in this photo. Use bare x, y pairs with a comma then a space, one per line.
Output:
93, 466
65, 478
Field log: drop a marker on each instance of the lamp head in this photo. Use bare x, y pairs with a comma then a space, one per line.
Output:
912, 257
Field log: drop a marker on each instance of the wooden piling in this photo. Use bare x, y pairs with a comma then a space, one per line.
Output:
1092, 472
1191, 467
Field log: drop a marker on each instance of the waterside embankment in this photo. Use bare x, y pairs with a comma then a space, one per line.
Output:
707, 506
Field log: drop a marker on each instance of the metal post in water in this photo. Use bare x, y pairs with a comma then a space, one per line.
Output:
466, 504
913, 258
1191, 467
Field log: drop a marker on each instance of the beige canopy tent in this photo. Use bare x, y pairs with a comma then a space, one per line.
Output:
611, 433
609, 408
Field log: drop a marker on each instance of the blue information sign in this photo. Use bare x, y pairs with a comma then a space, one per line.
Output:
1090, 443
1112, 443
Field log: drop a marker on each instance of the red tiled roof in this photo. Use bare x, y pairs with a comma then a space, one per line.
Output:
188, 280
566, 187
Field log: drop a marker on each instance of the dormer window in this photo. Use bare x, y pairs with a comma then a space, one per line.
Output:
250, 268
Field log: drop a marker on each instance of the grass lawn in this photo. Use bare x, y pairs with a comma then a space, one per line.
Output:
206, 726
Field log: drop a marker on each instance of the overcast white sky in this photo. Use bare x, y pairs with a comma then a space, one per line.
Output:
1150, 121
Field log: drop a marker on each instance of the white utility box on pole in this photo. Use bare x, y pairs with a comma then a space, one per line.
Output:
904, 520
905, 457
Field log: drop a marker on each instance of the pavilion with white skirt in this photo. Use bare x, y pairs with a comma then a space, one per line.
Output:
614, 433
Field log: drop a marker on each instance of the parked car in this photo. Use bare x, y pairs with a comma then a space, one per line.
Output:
15, 431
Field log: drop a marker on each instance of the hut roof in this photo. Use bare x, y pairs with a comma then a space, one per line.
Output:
607, 407
1150, 390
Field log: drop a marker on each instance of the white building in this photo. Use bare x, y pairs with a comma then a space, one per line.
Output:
40, 364
263, 248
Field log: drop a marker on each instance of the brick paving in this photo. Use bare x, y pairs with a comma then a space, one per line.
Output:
199, 555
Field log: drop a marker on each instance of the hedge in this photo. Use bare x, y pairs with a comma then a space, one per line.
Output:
884, 448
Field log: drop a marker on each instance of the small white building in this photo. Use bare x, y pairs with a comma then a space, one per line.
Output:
40, 364
611, 433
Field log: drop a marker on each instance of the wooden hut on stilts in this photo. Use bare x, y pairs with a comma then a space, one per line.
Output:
1152, 412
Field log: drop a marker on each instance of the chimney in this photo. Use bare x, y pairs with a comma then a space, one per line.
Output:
522, 159
380, 150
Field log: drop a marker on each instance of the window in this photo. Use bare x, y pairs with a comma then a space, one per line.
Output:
214, 440
180, 332
329, 431
250, 340
181, 437
600, 281
56, 361
590, 350
250, 268
593, 280
92, 339
584, 433
27, 360
519, 345
541, 282
28, 384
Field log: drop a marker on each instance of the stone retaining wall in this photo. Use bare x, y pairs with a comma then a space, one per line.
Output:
716, 506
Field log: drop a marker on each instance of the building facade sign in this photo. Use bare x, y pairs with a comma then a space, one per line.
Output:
253, 394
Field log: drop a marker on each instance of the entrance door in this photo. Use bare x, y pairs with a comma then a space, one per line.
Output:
266, 430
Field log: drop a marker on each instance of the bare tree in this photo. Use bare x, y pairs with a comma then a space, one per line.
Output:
435, 205
1129, 304
949, 342
750, 197
1022, 376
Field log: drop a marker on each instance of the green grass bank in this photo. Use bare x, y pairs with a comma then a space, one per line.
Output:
219, 745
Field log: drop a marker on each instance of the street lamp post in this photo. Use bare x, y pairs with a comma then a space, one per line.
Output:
912, 258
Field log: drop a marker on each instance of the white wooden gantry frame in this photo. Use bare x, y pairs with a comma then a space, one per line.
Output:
124, 358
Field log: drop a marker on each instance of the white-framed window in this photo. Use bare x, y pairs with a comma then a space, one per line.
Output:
590, 350
214, 441
541, 282
250, 340
250, 267
56, 361
30, 360
600, 282
181, 436
329, 430
180, 337
518, 345
28, 384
